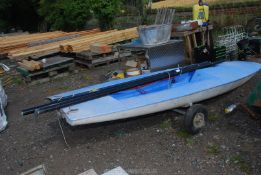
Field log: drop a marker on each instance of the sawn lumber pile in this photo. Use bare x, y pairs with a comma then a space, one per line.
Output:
78, 44
106, 38
13, 43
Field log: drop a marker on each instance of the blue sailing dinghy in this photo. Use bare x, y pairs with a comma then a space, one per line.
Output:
170, 93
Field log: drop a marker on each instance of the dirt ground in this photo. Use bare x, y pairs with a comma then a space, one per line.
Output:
154, 144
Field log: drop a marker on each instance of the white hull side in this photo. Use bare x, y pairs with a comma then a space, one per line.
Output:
162, 106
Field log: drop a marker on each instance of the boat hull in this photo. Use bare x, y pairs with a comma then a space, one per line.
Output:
162, 106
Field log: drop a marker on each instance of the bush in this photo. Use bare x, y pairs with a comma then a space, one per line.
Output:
106, 11
65, 15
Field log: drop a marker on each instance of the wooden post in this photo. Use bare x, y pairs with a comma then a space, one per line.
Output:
189, 47
194, 40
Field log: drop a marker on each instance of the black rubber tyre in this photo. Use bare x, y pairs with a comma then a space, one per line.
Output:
195, 118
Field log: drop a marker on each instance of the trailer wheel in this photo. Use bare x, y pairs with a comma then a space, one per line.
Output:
195, 118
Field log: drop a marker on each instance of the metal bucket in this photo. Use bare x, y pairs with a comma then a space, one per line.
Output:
155, 34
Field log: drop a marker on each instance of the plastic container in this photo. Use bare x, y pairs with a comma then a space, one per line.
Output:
3, 103
201, 12
155, 34
3, 97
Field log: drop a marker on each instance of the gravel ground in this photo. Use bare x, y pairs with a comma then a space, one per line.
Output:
154, 144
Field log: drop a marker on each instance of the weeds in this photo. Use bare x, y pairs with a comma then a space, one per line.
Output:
183, 134
213, 149
187, 136
17, 80
241, 163
190, 141
166, 124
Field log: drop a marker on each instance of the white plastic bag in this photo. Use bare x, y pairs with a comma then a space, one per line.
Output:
3, 120
3, 103
3, 97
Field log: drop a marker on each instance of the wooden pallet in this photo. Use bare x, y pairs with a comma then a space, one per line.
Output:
92, 60
54, 68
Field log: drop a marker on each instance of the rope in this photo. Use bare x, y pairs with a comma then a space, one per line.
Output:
170, 81
64, 138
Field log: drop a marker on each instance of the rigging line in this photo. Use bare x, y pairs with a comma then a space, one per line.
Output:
170, 81
64, 138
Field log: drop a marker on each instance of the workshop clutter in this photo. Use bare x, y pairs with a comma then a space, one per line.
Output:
51, 54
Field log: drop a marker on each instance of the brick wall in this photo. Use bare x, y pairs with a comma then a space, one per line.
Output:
229, 11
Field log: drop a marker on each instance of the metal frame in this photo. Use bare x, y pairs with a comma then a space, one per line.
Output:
160, 57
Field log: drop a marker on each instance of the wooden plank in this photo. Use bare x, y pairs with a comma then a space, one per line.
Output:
112, 58
100, 48
26, 66
30, 65
77, 44
16, 45
185, 33
110, 38
34, 74
45, 49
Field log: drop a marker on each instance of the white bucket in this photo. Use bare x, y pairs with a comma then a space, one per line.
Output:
133, 72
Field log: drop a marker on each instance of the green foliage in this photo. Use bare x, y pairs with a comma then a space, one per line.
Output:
166, 124
183, 134
213, 149
187, 137
142, 4
106, 11
244, 166
65, 14
17, 80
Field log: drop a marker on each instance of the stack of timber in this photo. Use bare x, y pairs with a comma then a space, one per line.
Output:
75, 44
48, 49
16, 44
84, 43
100, 48
53, 67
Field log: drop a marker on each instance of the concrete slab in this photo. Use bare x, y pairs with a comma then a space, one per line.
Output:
89, 172
116, 171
